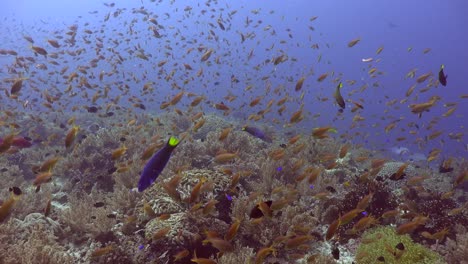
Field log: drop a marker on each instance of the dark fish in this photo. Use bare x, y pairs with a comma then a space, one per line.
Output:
220, 24
400, 246
381, 259
111, 216
156, 164
330, 189
142, 106
339, 99
336, 253
98, 204
15, 190
256, 212
257, 132
18, 84
92, 109
442, 76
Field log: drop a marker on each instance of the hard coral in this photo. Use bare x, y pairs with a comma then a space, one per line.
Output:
382, 200
33, 240
455, 250
438, 210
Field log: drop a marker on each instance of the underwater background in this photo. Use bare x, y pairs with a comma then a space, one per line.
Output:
233, 131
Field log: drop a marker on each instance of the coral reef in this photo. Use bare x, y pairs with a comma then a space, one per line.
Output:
382, 244
96, 215
456, 250
36, 239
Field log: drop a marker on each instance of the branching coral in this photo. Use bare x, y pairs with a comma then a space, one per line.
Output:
455, 250
33, 241
242, 255
83, 219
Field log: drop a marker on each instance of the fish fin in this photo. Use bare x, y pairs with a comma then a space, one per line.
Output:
173, 141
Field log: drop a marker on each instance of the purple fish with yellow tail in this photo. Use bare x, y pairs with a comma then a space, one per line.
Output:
156, 164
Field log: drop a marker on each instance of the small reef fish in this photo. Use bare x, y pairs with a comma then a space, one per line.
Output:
156, 164
299, 84
102, 251
409, 227
257, 212
321, 132
225, 157
422, 107
6, 207
224, 133
117, 153
424, 77
71, 135
19, 141
6, 143
48, 165
442, 76
42, 177
353, 42
206, 55
16, 87
181, 255
202, 260
339, 99
257, 132
39, 50
322, 77
333, 228
263, 253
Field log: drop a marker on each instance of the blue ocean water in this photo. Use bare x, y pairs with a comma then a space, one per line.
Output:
404, 30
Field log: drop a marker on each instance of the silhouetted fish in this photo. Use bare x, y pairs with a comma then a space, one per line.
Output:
442, 76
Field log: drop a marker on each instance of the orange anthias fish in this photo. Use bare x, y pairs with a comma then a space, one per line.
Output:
299, 84
353, 42
226, 157
71, 135
321, 132
7, 205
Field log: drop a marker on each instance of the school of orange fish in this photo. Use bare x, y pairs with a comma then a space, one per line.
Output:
136, 62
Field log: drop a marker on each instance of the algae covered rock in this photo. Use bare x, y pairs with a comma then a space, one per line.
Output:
384, 245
